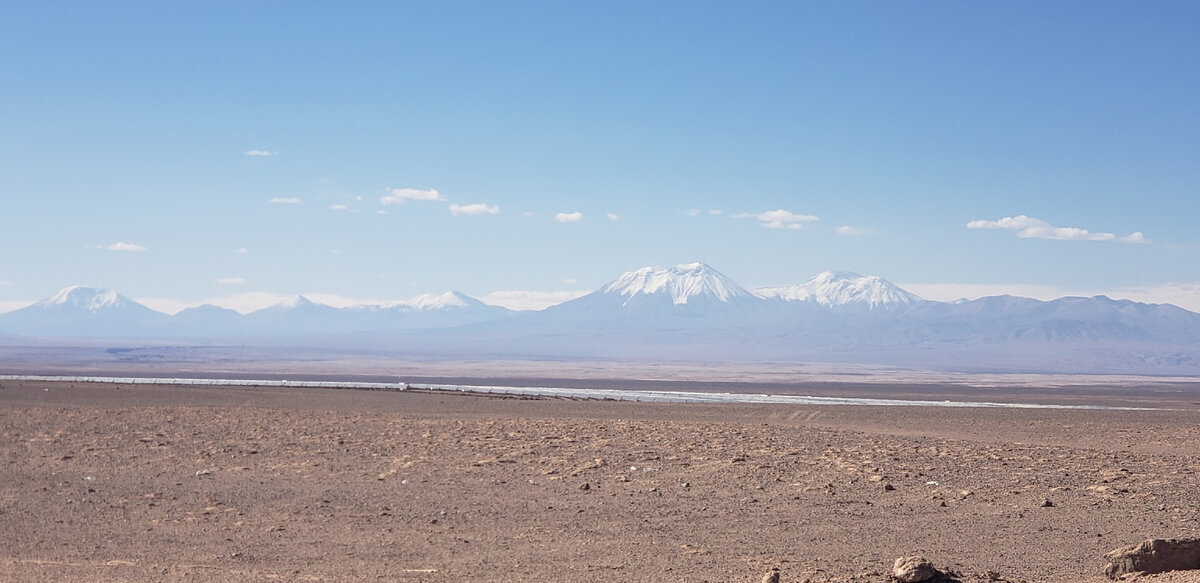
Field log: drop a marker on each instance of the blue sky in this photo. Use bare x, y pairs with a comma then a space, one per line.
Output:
142, 145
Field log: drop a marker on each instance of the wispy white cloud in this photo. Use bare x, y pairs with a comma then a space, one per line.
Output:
381, 212
258, 153
847, 231
231, 280
528, 214
1031, 228
698, 212
571, 281
613, 216
568, 217
5, 283
119, 246
529, 300
779, 219
401, 195
284, 200
715, 212
474, 209
337, 207
242, 250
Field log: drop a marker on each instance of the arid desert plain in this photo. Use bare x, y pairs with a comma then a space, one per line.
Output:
113, 483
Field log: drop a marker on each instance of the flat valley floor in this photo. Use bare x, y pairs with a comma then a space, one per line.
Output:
140, 484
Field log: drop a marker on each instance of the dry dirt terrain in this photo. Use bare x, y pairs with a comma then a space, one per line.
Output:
120, 483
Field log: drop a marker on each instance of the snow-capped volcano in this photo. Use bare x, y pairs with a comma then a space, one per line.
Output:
84, 311
450, 299
84, 298
839, 289
293, 303
681, 283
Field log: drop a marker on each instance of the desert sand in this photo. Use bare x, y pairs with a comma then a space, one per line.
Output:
139, 484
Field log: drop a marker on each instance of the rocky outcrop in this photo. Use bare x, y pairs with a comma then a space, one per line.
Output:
914, 569
1154, 556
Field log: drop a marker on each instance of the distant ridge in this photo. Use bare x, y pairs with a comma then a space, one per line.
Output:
683, 312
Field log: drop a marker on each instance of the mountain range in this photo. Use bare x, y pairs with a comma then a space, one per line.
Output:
686, 312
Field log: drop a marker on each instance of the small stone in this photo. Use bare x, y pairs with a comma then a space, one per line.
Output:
585, 487
1047, 504
914, 569
772, 576
888, 487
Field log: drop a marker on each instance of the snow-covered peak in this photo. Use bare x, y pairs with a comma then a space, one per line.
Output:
83, 297
294, 302
833, 289
681, 283
451, 299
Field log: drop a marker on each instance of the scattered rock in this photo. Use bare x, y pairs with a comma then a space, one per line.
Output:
585, 487
1047, 503
914, 569
888, 487
772, 576
1154, 556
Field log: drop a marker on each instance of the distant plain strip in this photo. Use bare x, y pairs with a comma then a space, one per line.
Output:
562, 392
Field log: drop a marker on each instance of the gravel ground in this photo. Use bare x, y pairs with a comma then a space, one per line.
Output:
139, 484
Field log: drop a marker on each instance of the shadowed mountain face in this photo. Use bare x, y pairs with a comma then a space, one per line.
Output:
687, 311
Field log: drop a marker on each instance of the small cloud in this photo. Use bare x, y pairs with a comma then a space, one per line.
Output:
715, 212
337, 207
231, 280
400, 195
284, 200
568, 217
613, 217
258, 153
693, 213
474, 209
779, 219
570, 281
527, 214
850, 231
1031, 228
358, 198
123, 246
5, 283
242, 250
381, 212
